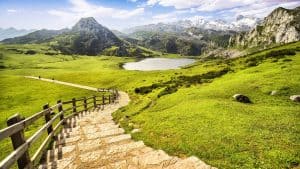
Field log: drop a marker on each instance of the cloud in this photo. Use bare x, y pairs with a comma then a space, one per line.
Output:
82, 8
215, 5
170, 16
262, 9
11, 10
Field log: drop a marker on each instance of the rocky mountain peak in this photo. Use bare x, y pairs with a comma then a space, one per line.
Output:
87, 24
280, 26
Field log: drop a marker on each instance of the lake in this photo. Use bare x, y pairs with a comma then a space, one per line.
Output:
157, 64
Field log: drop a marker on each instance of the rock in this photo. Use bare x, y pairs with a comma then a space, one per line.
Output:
241, 98
130, 124
295, 98
136, 130
274, 92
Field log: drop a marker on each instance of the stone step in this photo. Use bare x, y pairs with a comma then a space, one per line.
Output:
154, 159
67, 141
92, 145
66, 163
102, 134
190, 163
112, 153
60, 153
64, 151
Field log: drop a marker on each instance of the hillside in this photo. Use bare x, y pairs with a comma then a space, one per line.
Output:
88, 37
280, 26
39, 36
188, 42
191, 112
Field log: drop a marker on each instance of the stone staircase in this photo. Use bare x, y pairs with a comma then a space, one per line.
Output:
93, 140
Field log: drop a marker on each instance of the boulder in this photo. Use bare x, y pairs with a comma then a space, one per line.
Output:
274, 92
136, 130
295, 98
241, 98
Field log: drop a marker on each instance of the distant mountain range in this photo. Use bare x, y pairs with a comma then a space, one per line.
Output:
242, 23
188, 37
87, 37
13, 32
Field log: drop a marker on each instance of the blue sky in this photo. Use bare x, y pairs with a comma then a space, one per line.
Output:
120, 14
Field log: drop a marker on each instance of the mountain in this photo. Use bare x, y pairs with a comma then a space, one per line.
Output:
193, 36
242, 23
280, 26
188, 41
88, 37
39, 36
12, 32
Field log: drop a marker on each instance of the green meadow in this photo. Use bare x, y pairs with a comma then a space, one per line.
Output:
189, 111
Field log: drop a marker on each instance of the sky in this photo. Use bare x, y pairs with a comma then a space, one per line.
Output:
121, 14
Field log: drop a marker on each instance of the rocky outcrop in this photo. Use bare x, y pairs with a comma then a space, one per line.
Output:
281, 26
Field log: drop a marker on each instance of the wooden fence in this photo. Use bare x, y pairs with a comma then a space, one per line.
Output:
16, 126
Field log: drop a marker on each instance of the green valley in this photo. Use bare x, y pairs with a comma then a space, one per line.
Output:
199, 118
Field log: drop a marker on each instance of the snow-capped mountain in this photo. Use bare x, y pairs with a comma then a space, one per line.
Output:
242, 23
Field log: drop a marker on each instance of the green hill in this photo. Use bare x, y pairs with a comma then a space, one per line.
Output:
185, 112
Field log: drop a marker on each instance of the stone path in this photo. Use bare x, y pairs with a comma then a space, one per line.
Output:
92, 140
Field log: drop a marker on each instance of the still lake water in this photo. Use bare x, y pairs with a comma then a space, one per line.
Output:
157, 64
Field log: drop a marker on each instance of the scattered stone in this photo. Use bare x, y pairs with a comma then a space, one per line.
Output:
241, 98
136, 130
130, 124
295, 98
274, 92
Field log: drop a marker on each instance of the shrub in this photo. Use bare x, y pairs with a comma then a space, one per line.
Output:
167, 90
30, 52
280, 53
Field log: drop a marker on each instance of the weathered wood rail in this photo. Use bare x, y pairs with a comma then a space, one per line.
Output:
17, 125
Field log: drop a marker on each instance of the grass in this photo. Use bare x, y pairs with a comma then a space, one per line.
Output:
198, 118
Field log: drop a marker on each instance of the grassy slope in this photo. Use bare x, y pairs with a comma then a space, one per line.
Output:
201, 120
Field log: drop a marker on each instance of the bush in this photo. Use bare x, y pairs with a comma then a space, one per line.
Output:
252, 64
280, 53
30, 52
167, 90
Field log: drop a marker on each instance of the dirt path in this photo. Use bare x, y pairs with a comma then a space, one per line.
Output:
92, 140
63, 83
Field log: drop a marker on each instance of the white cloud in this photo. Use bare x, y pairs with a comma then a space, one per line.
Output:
262, 9
12, 10
216, 5
82, 8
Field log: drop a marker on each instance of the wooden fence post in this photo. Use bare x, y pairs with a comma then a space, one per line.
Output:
103, 100
74, 105
48, 117
95, 103
85, 104
60, 109
17, 140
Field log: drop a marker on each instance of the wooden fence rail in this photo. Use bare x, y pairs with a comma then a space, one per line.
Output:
16, 126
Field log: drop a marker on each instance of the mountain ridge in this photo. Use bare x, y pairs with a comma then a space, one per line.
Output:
13, 32
280, 26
